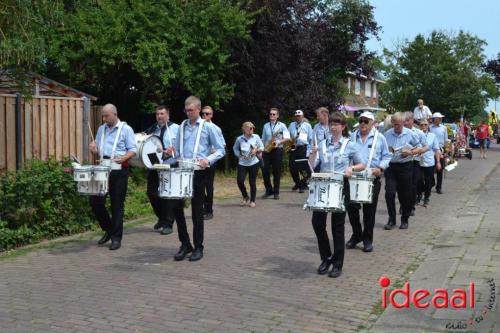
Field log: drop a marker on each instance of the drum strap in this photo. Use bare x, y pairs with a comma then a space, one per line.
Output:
101, 145
372, 151
342, 149
197, 142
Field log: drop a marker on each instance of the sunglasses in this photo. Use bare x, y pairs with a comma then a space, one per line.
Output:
207, 113
364, 121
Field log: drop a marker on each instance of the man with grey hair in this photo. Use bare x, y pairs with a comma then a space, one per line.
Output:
403, 144
115, 144
417, 177
421, 111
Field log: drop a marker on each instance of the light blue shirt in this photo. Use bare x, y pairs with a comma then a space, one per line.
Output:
242, 147
296, 129
330, 158
381, 156
441, 133
427, 159
321, 132
172, 130
406, 139
209, 140
270, 129
219, 132
126, 141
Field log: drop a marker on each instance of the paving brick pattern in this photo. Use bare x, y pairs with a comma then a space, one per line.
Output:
258, 273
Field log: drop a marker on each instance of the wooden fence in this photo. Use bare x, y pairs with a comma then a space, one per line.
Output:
50, 126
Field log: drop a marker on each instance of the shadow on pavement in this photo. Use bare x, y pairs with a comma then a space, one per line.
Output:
286, 268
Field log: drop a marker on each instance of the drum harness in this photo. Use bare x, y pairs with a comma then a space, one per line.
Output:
197, 142
101, 145
372, 151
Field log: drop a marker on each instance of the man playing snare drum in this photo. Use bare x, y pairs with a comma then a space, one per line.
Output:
115, 143
191, 144
365, 142
167, 131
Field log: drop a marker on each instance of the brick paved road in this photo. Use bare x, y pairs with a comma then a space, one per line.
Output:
258, 273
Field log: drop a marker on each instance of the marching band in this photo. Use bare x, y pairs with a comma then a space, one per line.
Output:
341, 171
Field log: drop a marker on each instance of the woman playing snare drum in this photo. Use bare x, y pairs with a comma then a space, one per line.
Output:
336, 154
246, 148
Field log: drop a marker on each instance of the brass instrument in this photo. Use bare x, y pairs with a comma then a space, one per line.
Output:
249, 155
290, 145
272, 144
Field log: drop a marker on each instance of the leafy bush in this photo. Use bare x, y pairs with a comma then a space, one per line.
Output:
39, 202
137, 202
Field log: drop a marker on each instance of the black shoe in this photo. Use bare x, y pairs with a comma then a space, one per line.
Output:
412, 213
351, 243
418, 201
184, 250
295, 187
404, 225
324, 267
208, 216
266, 195
158, 225
367, 247
276, 197
115, 245
438, 190
389, 226
301, 190
166, 231
104, 239
335, 272
197, 254
426, 202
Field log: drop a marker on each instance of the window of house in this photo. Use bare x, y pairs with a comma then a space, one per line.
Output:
368, 89
374, 95
357, 87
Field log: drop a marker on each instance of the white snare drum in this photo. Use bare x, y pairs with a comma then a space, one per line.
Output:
361, 188
82, 173
176, 183
325, 193
106, 162
101, 173
149, 151
188, 163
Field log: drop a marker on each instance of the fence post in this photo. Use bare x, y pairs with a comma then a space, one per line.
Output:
85, 129
19, 143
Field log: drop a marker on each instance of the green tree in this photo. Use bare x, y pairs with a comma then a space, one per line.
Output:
446, 71
135, 53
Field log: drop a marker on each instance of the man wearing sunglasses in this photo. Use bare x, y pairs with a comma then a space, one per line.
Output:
302, 132
364, 140
428, 161
208, 195
273, 157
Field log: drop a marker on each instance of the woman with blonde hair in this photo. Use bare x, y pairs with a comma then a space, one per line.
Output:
247, 148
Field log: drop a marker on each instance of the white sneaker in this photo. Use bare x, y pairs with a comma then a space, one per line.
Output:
244, 202
252, 205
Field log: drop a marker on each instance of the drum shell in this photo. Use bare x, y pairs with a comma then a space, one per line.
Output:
361, 189
99, 188
146, 144
175, 183
82, 173
101, 173
326, 193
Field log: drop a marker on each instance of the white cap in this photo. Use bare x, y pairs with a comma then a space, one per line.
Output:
367, 114
299, 113
437, 115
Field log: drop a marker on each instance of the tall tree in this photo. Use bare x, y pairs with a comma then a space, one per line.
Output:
136, 53
445, 70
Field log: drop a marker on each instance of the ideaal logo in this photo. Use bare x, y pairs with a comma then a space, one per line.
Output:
459, 298
440, 298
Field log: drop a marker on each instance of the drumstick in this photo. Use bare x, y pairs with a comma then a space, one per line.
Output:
90, 131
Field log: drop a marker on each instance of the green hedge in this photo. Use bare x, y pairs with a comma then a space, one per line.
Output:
40, 202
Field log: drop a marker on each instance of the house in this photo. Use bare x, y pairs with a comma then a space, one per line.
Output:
362, 93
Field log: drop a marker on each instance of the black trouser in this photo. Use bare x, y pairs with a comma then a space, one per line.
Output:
272, 160
337, 220
117, 190
299, 170
439, 174
364, 234
416, 180
252, 176
160, 205
199, 179
427, 178
398, 179
208, 191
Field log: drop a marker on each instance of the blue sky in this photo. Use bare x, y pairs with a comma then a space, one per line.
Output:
404, 19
